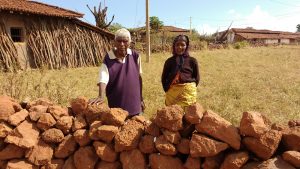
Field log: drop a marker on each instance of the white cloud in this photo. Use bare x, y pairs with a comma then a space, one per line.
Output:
209, 29
206, 29
231, 11
258, 18
261, 19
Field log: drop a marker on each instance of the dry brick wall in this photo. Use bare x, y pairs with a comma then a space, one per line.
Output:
42, 135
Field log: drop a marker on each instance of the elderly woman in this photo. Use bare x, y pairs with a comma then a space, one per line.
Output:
119, 76
180, 75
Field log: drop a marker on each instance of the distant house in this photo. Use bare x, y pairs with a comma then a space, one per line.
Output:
258, 36
175, 30
35, 34
139, 34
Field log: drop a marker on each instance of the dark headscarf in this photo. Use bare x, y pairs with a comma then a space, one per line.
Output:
187, 41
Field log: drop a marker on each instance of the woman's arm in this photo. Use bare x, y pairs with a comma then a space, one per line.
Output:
164, 76
196, 72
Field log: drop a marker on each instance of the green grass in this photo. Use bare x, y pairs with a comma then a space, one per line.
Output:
264, 79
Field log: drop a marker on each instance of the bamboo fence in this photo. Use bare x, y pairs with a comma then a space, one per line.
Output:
57, 43
54, 43
8, 51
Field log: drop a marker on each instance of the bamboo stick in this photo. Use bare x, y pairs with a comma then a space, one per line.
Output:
57, 43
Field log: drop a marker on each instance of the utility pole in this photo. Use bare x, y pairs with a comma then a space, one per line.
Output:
190, 25
147, 33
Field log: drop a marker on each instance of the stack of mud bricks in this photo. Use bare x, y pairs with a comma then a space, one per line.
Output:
41, 135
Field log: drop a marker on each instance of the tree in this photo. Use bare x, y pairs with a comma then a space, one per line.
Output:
155, 23
114, 27
298, 28
100, 16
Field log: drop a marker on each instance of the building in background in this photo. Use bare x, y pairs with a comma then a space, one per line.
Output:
139, 34
35, 34
161, 40
258, 36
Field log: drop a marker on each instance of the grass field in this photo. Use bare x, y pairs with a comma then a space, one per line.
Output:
265, 79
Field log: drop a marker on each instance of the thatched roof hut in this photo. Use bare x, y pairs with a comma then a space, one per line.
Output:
35, 35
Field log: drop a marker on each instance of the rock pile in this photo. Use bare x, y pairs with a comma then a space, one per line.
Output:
42, 135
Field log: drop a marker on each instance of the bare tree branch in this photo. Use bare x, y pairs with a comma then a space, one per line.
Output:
100, 17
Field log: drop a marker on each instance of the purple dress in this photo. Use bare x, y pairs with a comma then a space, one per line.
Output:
124, 89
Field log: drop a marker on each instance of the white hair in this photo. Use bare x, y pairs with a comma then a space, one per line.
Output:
123, 33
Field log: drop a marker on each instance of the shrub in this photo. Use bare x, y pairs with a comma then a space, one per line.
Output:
240, 45
198, 45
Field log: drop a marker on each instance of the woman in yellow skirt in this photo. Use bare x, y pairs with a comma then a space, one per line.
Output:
180, 75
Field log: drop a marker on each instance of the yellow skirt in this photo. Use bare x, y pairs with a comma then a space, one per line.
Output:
181, 94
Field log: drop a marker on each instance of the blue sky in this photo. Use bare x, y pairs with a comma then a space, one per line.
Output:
206, 16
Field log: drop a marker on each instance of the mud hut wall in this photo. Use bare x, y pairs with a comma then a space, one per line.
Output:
285, 41
230, 37
271, 41
238, 38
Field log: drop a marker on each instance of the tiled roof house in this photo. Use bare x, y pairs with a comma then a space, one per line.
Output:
254, 35
35, 34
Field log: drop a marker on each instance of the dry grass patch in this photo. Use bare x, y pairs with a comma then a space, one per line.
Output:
232, 81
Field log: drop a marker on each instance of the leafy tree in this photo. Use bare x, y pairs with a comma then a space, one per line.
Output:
114, 27
155, 23
100, 16
298, 28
